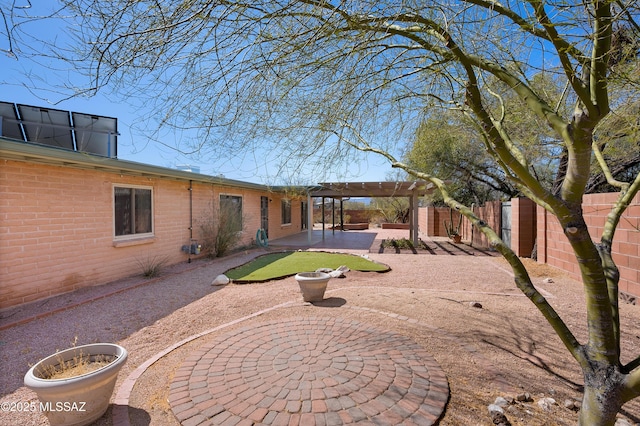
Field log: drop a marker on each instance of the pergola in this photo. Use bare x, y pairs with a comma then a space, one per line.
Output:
409, 189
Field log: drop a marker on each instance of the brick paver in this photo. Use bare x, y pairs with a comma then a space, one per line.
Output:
310, 371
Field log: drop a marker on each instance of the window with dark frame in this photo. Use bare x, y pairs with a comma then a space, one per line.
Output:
286, 212
231, 211
132, 211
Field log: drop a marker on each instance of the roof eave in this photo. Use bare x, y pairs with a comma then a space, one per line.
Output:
21, 151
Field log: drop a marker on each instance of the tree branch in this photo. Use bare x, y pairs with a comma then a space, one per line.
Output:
522, 279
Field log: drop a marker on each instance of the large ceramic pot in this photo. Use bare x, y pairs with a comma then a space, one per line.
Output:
312, 285
82, 399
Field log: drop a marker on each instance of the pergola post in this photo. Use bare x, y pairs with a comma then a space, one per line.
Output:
309, 218
413, 203
323, 218
333, 216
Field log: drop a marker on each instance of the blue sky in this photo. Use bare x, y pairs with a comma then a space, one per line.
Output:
27, 81
254, 167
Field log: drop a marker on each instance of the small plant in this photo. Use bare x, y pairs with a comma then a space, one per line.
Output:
403, 243
79, 364
452, 231
76, 366
152, 266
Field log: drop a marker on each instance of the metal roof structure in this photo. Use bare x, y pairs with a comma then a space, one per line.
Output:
409, 189
372, 189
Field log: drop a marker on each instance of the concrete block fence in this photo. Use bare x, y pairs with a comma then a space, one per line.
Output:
531, 224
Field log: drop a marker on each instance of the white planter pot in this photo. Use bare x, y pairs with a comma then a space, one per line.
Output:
312, 285
82, 399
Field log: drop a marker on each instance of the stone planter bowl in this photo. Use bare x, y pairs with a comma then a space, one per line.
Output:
82, 399
312, 285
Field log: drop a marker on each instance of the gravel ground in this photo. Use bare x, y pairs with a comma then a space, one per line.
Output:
501, 349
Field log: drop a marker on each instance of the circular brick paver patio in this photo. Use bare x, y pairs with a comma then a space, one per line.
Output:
309, 371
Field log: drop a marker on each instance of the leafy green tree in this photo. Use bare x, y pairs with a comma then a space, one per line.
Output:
617, 136
316, 79
392, 209
449, 149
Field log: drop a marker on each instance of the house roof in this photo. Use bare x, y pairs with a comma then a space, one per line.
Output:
44, 154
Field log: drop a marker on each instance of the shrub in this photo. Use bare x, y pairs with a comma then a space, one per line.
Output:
220, 230
152, 266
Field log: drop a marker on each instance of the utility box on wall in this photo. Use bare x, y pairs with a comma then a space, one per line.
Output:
192, 248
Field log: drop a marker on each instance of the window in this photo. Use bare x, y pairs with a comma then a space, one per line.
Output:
132, 211
286, 212
231, 212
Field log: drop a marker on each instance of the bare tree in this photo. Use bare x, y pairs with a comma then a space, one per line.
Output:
316, 79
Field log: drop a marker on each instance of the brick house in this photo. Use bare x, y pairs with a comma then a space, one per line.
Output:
72, 219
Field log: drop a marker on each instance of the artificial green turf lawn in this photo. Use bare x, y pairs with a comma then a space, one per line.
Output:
280, 265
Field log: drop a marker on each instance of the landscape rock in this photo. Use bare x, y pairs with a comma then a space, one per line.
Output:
501, 402
524, 397
337, 273
513, 409
497, 416
221, 280
572, 404
493, 408
546, 404
548, 281
475, 305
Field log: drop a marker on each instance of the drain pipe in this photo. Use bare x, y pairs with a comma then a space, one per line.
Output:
190, 218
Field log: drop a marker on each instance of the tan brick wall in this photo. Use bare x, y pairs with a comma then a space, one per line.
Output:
57, 231
532, 223
554, 249
431, 220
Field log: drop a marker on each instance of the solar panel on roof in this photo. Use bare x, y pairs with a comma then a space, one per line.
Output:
47, 126
10, 124
87, 133
95, 134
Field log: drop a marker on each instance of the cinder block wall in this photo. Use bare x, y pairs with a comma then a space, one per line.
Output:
431, 221
554, 249
531, 223
491, 213
57, 230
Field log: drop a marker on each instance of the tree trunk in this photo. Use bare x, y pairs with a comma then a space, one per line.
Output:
601, 400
